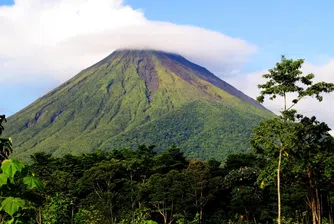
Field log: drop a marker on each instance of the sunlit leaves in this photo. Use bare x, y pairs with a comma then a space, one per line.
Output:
286, 77
33, 182
11, 205
11, 166
3, 179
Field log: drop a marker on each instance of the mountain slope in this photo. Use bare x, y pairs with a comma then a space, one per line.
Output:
134, 97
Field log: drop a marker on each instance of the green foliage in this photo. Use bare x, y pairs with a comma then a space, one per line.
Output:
271, 138
3, 179
107, 106
125, 186
56, 210
12, 181
246, 196
12, 205
33, 182
182, 220
88, 216
141, 217
235, 161
295, 144
12, 189
5, 143
11, 166
149, 222
144, 187
286, 77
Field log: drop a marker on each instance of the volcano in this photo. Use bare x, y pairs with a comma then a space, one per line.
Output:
135, 97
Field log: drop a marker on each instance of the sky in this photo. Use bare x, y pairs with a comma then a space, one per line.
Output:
44, 43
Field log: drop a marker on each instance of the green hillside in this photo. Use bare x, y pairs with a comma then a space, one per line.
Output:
138, 97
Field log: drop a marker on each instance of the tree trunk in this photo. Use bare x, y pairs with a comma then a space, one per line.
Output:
165, 219
284, 102
254, 219
330, 215
313, 208
279, 185
162, 212
314, 199
201, 210
319, 213
171, 221
39, 215
279, 173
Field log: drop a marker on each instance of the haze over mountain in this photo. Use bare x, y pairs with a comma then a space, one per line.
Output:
137, 97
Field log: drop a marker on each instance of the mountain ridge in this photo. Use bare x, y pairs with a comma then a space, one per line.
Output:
112, 103
180, 59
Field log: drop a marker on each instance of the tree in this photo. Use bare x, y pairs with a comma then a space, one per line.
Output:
286, 78
5, 143
246, 196
166, 194
57, 209
203, 185
103, 186
14, 178
311, 160
172, 159
272, 139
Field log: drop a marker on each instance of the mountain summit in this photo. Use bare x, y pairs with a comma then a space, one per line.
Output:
137, 97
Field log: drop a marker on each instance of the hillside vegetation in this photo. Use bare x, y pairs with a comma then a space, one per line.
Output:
136, 97
288, 178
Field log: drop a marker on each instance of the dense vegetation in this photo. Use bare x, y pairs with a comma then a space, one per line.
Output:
287, 178
292, 133
138, 97
133, 186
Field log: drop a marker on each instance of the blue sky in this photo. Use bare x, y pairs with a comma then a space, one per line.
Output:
297, 29
294, 28
6, 2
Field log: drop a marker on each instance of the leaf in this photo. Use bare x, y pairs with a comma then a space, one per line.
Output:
33, 182
3, 179
11, 205
11, 166
11, 221
150, 222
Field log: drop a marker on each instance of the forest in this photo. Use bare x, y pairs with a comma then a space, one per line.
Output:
286, 177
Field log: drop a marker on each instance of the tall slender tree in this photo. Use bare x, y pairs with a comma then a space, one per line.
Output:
286, 78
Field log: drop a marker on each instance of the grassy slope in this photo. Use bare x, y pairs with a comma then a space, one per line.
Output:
107, 106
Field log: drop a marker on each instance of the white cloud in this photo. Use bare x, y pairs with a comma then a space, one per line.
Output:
309, 106
57, 38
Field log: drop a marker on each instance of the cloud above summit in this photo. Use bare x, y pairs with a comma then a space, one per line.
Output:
45, 42
55, 39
